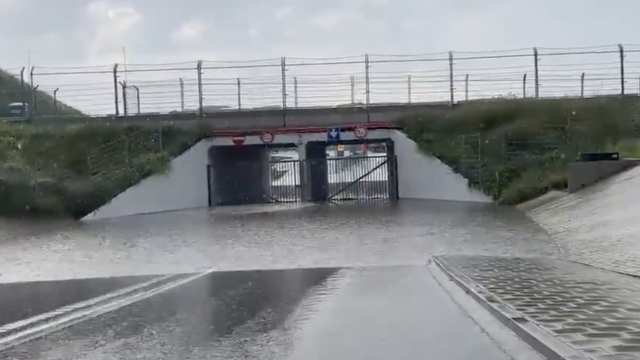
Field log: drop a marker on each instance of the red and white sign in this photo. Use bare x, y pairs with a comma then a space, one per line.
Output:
238, 139
267, 137
360, 132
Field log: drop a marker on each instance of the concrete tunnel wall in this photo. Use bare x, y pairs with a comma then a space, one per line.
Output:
421, 176
186, 186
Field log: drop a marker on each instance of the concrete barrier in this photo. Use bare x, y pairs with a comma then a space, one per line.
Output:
583, 174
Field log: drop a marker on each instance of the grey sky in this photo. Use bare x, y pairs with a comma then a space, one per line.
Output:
80, 32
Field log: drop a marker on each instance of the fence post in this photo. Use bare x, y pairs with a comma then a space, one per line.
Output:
55, 100
200, 96
23, 98
115, 89
621, 50
239, 93
367, 87
353, 90
124, 98
295, 91
536, 74
181, 95
451, 90
409, 89
524, 85
137, 89
582, 85
283, 73
34, 88
34, 108
466, 87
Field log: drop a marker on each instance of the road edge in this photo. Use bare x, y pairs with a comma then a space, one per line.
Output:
531, 334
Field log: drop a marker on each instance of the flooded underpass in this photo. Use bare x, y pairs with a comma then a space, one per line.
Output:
265, 237
282, 281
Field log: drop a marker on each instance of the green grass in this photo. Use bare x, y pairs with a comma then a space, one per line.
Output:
70, 173
516, 150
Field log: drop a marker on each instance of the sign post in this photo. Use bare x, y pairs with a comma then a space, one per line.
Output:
238, 139
360, 132
333, 134
267, 137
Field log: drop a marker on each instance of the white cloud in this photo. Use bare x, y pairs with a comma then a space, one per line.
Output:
254, 33
189, 31
284, 12
112, 27
328, 20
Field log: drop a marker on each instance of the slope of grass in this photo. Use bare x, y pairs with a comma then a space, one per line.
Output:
73, 172
516, 150
12, 91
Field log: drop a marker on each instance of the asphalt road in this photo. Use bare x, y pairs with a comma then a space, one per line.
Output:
391, 312
26, 299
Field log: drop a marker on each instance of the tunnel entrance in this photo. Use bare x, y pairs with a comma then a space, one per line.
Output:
356, 170
352, 170
251, 174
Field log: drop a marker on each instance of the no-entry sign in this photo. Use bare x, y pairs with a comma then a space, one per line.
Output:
266, 137
238, 139
360, 132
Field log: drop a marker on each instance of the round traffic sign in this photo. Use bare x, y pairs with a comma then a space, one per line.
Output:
360, 132
238, 139
267, 137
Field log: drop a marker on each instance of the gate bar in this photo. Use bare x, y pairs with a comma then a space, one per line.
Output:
358, 179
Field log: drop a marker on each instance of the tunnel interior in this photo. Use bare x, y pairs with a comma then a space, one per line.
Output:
252, 174
239, 175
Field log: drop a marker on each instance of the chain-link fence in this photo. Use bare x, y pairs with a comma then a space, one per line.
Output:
131, 152
525, 159
358, 81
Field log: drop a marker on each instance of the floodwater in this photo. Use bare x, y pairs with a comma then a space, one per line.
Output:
364, 234
376, 313
306, 282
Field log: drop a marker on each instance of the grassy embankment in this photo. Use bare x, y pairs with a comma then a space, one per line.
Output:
71, 172
11, 91
516, 150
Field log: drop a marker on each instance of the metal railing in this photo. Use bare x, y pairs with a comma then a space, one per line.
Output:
359, 81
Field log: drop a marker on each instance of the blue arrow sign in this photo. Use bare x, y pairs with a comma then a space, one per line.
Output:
333, 134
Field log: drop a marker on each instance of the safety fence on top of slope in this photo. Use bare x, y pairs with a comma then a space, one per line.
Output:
486, 158
358, 81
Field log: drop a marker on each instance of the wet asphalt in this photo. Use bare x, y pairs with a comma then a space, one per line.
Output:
387, 312
23, 300
340, 282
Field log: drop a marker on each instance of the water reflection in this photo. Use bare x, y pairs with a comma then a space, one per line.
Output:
325, 236
358, 313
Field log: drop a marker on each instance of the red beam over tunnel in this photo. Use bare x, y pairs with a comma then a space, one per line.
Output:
306, 129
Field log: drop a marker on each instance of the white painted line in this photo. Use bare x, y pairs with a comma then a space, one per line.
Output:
83, 304
85, 314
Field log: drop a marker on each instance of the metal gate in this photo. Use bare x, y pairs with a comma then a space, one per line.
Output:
362, 178
284, 182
